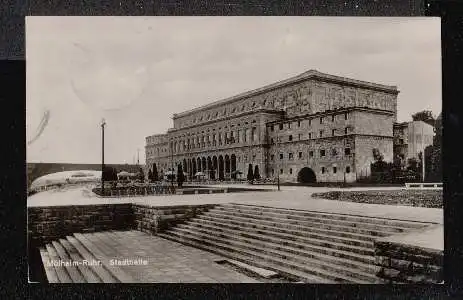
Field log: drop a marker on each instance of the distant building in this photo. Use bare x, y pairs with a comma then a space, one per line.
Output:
311, 127
36, 170
411, 138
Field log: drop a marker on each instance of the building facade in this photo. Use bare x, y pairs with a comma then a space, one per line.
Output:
411, 138
311, 127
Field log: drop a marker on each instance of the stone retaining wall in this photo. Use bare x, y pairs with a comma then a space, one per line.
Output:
402, 263
49, 223
155, 219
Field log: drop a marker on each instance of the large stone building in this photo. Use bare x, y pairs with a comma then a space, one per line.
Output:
311, 127
411, 138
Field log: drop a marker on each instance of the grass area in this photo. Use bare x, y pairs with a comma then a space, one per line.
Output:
417, 198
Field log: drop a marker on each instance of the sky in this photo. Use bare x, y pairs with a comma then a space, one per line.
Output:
136, 72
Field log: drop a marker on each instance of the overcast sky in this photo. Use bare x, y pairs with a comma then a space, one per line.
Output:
136, 71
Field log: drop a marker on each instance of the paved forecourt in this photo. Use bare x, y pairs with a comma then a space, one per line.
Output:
291, 197
169, 262
173, 262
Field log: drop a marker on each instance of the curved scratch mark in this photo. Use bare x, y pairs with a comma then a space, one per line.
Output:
41, 127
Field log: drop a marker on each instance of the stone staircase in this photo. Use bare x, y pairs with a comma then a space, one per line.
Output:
305, 246
87, 256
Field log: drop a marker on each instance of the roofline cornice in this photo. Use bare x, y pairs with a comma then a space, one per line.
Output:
311, 74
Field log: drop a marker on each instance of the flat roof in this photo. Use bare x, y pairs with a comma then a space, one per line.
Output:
311, 74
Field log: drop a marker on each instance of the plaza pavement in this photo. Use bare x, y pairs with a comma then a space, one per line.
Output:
292, 197
170, 262
173, 262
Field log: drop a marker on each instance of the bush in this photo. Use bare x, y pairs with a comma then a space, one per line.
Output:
180, 176
109, 174
256, 173
250, 176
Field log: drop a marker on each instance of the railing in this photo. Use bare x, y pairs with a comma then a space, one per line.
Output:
423, 185
136, 190
56, 186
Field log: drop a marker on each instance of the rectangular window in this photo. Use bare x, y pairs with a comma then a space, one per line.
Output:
300, 155
321, 120
281, 155
346, 116
300, 136
290, 171
322, 152
346, 130
347, 151
290, 156
272, 128
310, 122
332, 118
281, 171
333, 132
347, 169
310, 135
289, 125
290, 138
323, 170
281, 126
321, 133
310, 153
298, 123
335, 170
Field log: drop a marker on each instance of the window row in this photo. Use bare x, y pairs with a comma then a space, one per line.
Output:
323, 170
298, 123
240, 136
321, 134
322, 152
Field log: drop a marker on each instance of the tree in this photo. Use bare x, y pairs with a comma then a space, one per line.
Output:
250, 176
256, 173
180, 176
377, 155
155, 173
141, 175
412, 164
109, 174
425, 116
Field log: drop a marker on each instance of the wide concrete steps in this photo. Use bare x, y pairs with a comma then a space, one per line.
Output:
303, 245
82, 258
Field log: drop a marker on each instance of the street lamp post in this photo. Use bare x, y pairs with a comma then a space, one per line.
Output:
278, 164
103, 123
172, 163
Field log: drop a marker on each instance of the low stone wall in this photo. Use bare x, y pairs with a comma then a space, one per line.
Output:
416, 198
156, 219
50, 223
401, 263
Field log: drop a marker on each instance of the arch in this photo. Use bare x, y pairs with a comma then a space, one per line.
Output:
221, 167
306, 175
209, 168
233, 166
193, 167
227, 165
198, 164
204, 165
214, 166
